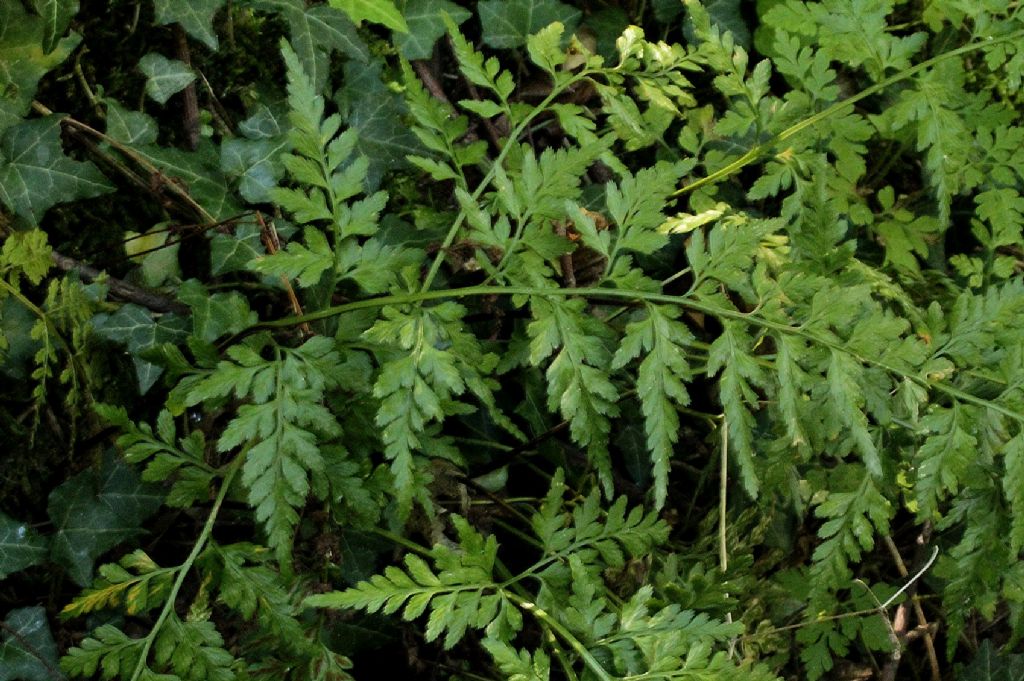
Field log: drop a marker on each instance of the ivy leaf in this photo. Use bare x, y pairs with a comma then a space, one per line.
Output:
231, 252
129, 127
95, 511
378, 116
376, 11
56, 16
164, 77
195, 16
22, 62
990, 664
198, 170
28, 651
35, 174
255, 164
20, 546
507, 23
425, 19
255, 159
135, 327
316, 31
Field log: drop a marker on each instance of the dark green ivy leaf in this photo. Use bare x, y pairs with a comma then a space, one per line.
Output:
426, 24
195, 16
22, 63
215, 315
198, 170
136, 328
129, 127
165, 77
56, 16
20, 547
35, 174
28, 651
507, 23
989, 664
95, 511
378, 116
314, 33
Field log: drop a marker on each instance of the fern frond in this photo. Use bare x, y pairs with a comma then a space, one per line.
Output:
284, 422
661, 383
578, 382
135, 580
460, 593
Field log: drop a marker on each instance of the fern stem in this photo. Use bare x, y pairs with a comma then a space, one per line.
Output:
564, 634
762, 149
640, 296
486, 181
183, 570
402, 541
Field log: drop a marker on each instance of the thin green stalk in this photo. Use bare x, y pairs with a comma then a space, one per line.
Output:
486, 181
762, 149
639, 296
183, 570
398, 539
564, 634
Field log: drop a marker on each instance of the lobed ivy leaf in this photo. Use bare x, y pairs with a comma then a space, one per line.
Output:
164, 77
198, 170
20, 546
56, 16
28, 651
508, 23
28, 52
425, 20
315, 32
991, 664
129, 127
231, 252
217, 314
96, 510
376, 11
138, 329
195, 16
35, 174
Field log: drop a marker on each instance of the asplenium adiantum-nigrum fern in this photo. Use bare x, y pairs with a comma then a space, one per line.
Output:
767, 302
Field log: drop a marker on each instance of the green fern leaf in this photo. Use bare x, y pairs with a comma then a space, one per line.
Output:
518, 665
135, 581
283, 422
731, 355
578, 383
109, 650
460, 594
661, 383
193, 650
